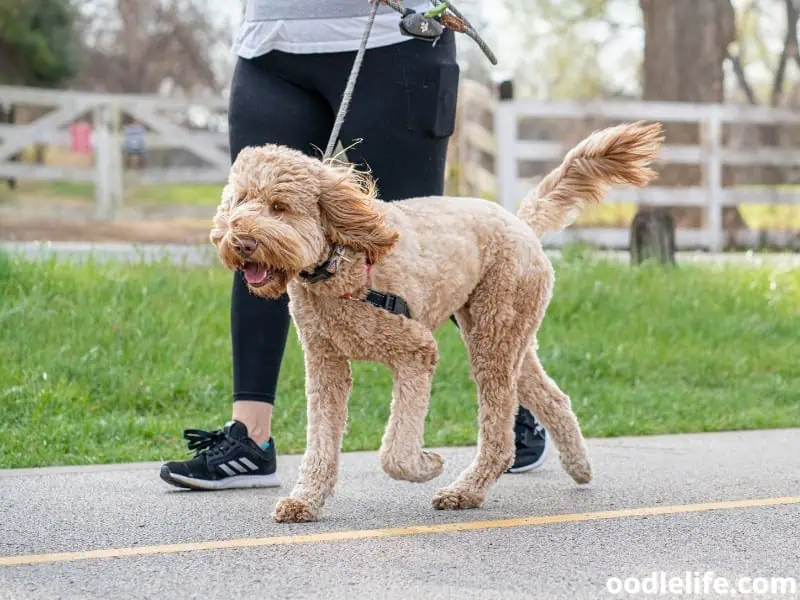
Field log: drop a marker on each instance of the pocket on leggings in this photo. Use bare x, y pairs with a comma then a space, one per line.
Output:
432, 102
446, 105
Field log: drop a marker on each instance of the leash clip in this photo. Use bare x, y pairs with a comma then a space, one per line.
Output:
417, 25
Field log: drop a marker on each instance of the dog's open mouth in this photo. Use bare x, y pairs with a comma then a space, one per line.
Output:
257, 274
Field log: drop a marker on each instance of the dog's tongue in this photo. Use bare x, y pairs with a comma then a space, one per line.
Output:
255, 273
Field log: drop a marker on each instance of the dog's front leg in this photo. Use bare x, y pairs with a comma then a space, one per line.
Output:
328, 384
402, 455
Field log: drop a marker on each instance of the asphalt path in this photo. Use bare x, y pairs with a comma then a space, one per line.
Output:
727, 503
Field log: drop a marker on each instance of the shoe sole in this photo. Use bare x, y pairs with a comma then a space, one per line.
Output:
538, 463
229, 483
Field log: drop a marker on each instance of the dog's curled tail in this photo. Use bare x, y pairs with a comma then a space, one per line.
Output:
618, 155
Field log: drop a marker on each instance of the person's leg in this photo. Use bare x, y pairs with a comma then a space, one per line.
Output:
266, 108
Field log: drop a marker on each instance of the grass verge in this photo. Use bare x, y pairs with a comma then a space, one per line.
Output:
30, 193
108, 363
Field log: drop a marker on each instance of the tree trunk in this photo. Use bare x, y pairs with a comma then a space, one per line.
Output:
686, 44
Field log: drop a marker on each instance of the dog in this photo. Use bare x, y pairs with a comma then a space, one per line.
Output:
371, 281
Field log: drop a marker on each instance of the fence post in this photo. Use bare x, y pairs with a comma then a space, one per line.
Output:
505, 127
713, 179
107, 161
115, 154
101, 139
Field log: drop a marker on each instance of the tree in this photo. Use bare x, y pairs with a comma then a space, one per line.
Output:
686, 45
751, 50
753, 20
563, 48
143, 46
38, 44
38, 47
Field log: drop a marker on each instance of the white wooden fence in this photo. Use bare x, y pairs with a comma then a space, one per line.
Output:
161, 116
472, 141
712, 155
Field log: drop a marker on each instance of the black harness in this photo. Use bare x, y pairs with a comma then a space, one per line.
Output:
394, 304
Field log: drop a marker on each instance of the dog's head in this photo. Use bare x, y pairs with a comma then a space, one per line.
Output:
282, 211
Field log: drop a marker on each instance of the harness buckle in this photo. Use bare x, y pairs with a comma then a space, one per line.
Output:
390, 303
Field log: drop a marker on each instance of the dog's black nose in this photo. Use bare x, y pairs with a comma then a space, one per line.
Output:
245, 245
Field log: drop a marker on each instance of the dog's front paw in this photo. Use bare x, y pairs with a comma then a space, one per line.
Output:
431, 466
294, 510
422, 467
454, 499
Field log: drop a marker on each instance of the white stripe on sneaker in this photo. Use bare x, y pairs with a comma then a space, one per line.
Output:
229, 483
248, 463
228, 471
237, 466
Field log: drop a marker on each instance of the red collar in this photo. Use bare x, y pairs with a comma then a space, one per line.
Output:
368, 269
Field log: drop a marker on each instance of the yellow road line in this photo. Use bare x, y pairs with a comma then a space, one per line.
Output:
364, 534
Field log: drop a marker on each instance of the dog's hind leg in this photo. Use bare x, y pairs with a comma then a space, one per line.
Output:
402, 455
497, 328
540, 395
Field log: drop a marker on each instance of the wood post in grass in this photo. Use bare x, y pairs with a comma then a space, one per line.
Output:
653, 236
7, 116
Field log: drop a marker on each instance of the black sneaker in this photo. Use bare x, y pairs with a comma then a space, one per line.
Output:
531, 441
224, 459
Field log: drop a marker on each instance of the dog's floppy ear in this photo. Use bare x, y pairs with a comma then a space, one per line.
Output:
349, 214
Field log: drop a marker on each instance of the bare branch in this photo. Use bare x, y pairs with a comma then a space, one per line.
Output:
137, 46
789, 50
736, 62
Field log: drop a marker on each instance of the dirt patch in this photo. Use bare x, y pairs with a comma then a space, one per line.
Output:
172, 231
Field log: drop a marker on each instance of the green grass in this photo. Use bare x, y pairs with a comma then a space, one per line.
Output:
756, 216
188, 194
106, 363
198, 194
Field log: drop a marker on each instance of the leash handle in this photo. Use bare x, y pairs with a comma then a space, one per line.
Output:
455, 21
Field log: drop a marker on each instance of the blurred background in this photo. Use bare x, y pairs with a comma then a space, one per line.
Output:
113, 124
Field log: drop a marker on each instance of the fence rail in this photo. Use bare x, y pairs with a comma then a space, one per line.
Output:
165, 131
712, 156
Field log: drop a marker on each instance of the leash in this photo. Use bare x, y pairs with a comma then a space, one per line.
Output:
347, 96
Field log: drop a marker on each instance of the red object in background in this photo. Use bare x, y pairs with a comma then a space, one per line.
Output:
81, 137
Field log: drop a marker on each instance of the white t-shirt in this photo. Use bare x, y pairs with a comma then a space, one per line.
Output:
313, 36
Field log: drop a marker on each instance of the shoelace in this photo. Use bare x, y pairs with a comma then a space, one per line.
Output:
201, 441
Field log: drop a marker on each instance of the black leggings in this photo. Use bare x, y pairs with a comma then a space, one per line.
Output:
403, 111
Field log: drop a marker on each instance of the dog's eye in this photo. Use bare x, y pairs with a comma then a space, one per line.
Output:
278, 207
